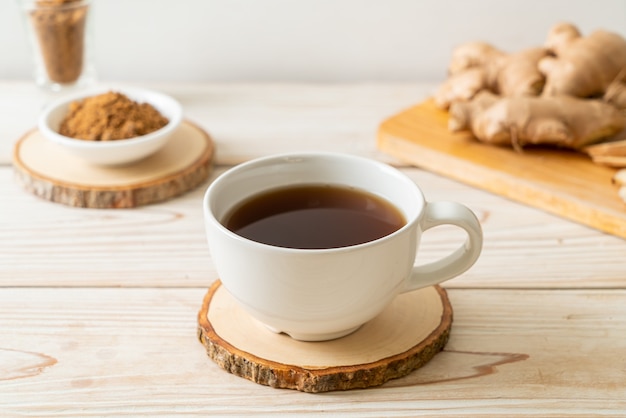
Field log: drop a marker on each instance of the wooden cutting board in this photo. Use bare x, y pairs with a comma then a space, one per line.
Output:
562, 182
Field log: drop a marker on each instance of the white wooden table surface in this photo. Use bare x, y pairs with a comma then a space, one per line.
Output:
98, 307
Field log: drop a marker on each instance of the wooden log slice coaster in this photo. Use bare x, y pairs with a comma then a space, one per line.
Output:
50, 172
404, 337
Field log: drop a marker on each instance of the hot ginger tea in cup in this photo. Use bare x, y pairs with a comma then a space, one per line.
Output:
314, 217
314, 245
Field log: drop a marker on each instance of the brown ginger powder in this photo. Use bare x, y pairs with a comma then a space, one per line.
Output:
110, 116
60, 30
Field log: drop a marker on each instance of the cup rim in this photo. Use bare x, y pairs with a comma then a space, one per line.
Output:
210, 216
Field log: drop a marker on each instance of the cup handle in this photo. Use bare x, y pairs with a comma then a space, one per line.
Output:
440, 213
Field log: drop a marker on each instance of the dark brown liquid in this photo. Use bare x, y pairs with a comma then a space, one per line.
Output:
314, 217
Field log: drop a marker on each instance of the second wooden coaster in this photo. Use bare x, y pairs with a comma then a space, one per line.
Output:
51, 173
402, 338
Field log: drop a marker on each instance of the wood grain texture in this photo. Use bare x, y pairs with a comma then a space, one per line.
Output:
404, 337
562, 182
49, 172
98, 308
119, 352
164, 245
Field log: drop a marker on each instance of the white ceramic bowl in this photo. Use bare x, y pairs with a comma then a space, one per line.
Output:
120, 151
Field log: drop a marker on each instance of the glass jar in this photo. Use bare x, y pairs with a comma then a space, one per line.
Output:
60, 35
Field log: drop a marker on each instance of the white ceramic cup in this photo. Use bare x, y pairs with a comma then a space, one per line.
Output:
322, 294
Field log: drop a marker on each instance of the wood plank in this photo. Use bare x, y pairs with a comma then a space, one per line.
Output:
565, 183
80, 352
164, 245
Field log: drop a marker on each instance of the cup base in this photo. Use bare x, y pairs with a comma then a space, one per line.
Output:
314, 337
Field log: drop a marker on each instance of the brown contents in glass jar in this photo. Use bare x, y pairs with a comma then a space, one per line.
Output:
60, 30
110, 116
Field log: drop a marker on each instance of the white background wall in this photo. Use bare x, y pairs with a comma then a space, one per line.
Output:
302, 40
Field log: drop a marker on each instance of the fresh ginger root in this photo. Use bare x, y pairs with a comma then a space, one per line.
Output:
569, 93
562, 121
478, 66
462, 114
518, 74
581, 66
616, 91
461, 87
472, 55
